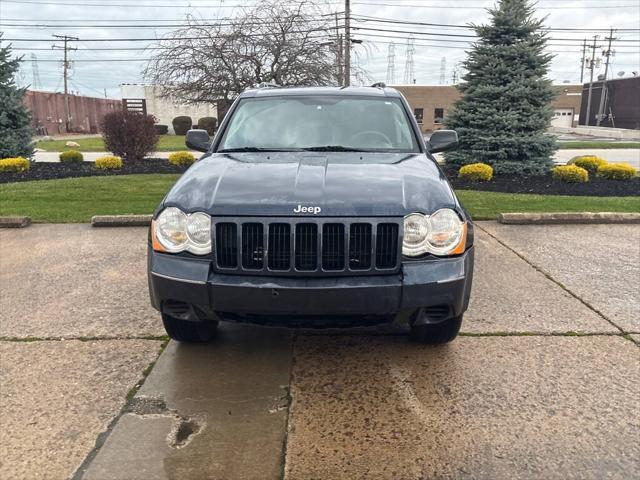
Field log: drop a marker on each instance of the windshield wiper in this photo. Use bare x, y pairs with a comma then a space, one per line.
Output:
258, 149
333, 148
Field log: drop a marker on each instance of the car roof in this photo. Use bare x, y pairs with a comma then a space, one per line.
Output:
275, 91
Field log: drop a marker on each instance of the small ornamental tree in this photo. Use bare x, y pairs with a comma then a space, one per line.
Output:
504, 111
129, 135
15, 119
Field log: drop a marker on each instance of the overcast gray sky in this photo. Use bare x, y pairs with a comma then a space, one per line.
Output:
95, 71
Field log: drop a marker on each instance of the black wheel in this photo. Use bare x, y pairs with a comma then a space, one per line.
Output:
189, 332
436, 333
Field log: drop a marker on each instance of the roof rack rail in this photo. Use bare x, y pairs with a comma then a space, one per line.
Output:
379, 85
267, 85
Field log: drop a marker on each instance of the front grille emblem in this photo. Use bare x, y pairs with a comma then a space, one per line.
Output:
309, 209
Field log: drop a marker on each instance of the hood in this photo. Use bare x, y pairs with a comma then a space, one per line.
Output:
307, 184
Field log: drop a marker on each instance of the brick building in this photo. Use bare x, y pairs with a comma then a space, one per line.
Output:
431, 104
85, 113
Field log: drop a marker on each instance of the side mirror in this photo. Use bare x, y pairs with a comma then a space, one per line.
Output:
198, 140
443, 141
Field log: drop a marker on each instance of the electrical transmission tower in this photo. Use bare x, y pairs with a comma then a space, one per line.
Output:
443, 70
391, 64
36, 83
409, 66
65, 72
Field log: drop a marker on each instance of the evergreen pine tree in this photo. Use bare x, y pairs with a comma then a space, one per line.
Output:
15, 120
504, 111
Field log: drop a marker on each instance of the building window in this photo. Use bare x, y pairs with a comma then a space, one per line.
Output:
438, 115
419, 114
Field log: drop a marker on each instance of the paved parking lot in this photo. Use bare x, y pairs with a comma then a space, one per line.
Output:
543, 383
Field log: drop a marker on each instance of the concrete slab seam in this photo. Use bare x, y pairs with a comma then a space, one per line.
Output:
285, 440
548, 275
102, 436
160, 338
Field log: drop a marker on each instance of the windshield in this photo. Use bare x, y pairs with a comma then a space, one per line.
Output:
320, 123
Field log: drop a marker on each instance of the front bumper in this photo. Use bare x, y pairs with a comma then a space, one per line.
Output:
189, 289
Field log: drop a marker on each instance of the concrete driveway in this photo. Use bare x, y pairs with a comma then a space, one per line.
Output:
543, 383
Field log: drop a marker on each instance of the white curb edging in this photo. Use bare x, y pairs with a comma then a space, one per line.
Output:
121, 220
563, 218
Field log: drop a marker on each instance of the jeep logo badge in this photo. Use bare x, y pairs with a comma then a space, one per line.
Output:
301, 209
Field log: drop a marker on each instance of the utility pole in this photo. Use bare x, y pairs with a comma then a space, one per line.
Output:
603, 91
340, 51
584, 59
347, 41
65, 71
591, 67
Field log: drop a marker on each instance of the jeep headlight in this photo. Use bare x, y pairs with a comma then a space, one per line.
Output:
175, 231
442, 233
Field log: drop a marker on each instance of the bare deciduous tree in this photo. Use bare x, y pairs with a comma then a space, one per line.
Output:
214, 62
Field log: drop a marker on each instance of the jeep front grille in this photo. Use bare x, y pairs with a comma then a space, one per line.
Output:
321, 246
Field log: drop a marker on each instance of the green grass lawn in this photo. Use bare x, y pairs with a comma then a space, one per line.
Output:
78, 199
167, 143
585, 145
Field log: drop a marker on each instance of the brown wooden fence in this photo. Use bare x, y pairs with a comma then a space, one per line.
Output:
85, 113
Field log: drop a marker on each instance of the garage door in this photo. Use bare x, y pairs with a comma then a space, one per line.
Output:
562, 117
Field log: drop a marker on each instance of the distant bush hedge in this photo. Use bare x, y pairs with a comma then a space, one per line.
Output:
181, 125
129, 135
570, 174
181, 158
162, 129
617, 171
476, 172
14, 164
590, 163
71, 156
209, 124
108, 163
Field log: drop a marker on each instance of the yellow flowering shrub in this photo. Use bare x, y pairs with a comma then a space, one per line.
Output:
570, 174
617, 171
14, 164
181, 158
476, 172
108, 163
590, 163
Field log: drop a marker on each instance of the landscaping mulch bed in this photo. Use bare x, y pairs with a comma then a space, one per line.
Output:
546, 185
51, 171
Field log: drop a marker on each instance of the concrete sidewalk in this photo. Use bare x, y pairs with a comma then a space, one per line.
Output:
542, 384
54, 157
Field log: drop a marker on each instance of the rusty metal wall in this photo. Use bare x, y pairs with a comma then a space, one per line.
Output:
47, 112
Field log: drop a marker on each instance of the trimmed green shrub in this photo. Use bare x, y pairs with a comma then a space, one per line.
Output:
590, 163
181, 125
162, 129
14, 164
181, 158
108, 163
617, 171
476, 172
570, 174
71, 156
209, 124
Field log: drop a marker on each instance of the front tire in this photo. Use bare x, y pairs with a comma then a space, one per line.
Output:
189, 332
436, 333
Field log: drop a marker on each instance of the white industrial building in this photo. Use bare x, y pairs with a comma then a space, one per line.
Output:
147, 99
